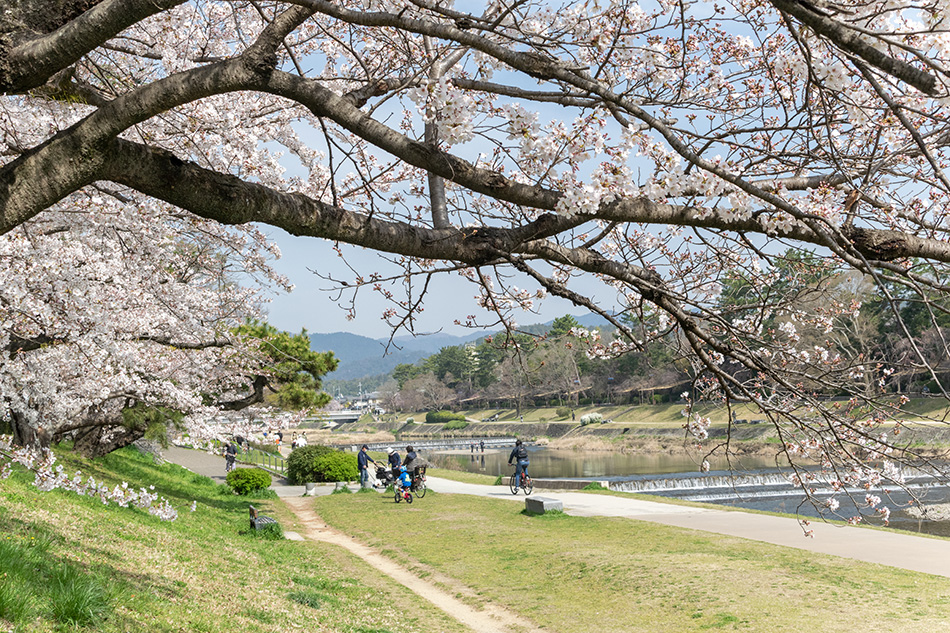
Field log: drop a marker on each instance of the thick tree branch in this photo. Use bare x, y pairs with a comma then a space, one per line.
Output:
255, 397
31, 63
852, 41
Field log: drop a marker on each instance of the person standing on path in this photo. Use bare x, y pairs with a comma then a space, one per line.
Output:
394, 462
520, 452
362, 463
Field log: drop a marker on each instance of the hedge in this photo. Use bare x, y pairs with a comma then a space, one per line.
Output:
245, 481
441, 417
300, 463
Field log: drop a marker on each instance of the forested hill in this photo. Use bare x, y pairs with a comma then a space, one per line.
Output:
361, 356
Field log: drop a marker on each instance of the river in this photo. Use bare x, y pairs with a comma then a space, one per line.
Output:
754, 483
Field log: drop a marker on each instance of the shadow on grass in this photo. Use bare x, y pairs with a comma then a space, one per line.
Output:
41, 582
177, 484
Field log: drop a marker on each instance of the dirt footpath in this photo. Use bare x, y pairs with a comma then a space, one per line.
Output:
488, 619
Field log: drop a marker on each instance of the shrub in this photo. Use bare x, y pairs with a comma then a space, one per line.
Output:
441, 417
300, 464
591, 418
595, 485
269, 532
563, 412
244, 481
336, 466
454, 425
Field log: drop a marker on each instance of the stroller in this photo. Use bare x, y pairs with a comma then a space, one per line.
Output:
384, 476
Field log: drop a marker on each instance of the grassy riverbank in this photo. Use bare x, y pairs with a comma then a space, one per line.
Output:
589, 574
70, 563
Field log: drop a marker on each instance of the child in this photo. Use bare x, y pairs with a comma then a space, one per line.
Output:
404, 481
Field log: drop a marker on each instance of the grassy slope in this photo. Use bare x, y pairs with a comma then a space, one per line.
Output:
195, 574
566, 573
591, 574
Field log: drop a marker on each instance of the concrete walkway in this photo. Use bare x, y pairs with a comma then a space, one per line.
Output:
884, 547
212, 466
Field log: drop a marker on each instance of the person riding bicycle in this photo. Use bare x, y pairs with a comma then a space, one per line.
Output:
520, 452
404, 481
230, 455
410, 457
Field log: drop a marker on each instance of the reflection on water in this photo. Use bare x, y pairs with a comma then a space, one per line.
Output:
548, 463
897, 500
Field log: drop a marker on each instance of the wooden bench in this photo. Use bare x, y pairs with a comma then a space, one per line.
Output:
259, 521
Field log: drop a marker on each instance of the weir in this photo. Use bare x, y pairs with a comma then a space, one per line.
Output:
437, 444
723, 485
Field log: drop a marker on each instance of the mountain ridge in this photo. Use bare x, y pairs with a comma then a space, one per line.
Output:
362, 356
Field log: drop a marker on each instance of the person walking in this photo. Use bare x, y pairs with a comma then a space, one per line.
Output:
481, 445
230, 456
520, 453
362, 463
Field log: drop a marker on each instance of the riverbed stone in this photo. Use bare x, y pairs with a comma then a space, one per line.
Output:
540, 505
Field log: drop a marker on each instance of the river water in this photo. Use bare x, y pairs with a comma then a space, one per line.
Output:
754, 483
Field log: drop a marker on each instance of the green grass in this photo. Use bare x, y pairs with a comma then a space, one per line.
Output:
70, 563
588, 574
462, 476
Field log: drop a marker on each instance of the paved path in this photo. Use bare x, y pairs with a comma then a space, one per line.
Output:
885, 547
211, 465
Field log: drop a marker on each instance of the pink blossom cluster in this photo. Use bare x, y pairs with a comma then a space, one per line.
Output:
49, 476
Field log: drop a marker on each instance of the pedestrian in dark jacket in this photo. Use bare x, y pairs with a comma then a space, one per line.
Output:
394, 462
362, 463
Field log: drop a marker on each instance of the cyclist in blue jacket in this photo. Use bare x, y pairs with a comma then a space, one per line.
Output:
520, 453
405, 481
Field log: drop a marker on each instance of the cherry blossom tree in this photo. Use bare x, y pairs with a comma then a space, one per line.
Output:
607, 152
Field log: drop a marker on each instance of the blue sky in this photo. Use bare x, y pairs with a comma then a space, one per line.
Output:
313, 306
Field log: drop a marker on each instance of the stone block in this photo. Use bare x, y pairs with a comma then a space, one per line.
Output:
540, 505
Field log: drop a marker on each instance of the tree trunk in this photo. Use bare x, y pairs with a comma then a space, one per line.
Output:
25, 435
97, 441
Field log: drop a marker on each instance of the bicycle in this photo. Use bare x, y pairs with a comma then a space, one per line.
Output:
403, 493
419, 484
526, 484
